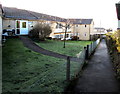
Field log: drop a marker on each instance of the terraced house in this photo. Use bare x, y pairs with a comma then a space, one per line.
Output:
21, 21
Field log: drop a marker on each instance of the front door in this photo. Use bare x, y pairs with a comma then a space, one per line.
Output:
21, 27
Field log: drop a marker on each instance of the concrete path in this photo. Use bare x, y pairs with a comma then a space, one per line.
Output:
98, 75
31, 45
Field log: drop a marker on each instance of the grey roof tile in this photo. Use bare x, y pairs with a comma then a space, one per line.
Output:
81, 21
30, 15
16, 13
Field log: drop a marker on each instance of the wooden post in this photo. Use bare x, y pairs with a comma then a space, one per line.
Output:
94, 45
68, 69
87, 52
85, 48
91, 47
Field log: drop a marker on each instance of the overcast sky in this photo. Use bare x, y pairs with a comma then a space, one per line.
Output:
101, 11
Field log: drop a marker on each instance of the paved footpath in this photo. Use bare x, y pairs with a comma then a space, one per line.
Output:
98, 75
31, 45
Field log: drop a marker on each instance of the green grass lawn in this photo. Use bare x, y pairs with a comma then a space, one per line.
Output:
72, 47
28, 71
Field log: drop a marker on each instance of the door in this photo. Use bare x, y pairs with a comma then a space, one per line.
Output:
21, 27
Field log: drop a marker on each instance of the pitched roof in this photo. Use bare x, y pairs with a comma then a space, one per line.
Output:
40, 16
16, 13
29, 15
81, 21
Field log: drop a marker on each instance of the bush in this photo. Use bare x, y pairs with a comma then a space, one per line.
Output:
40, 31
116, 37
113, 42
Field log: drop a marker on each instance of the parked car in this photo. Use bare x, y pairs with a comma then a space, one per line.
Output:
66, 38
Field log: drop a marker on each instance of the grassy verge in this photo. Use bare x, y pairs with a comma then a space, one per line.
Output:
28, 71
72, 47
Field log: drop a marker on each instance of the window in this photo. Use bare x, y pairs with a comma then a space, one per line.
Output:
61, 36
58, 26
67, 35
85, 25
85, 34
18, 24
23, 24
56, 36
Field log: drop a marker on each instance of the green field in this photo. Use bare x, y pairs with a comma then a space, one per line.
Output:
28, 71
71, 49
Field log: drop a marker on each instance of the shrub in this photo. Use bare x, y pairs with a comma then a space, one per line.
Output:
113, 42
40, 31
116, 37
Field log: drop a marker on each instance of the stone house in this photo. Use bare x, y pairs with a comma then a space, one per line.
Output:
82, 28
